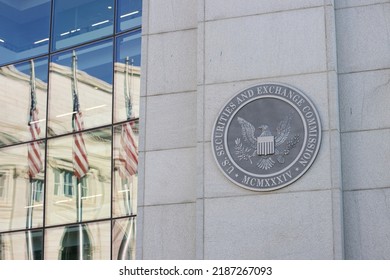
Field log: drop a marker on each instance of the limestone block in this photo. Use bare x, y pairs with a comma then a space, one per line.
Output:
170, 121
364, 102
172, 15
169, 232
232, 8
265, 46
172, 62
272, 226
367, 224
355, 3
170, 176
364, 159
361, 38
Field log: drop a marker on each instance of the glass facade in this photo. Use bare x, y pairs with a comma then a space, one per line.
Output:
69, 125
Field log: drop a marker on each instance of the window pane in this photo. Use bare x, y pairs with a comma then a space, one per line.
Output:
87, 90
21, 176
123, 239
21, 245
24, 29
63, 243
78, 177
127, 76
129, 14
23, 98
79, 21
125, 169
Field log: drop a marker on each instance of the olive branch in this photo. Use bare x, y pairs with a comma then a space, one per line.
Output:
290, 145
243, 153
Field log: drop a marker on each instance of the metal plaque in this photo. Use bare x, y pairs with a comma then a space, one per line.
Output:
266, 137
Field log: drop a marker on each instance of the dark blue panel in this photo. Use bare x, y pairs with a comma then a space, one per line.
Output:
129, 14
129, 45
24, 29
79, 21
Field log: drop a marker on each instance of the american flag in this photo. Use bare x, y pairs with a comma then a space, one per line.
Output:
80, 158
128, 153
34, 152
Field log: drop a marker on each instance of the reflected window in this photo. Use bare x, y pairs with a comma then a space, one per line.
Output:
38, 190
127, 76
23, 97
79, 21
22, 175
78, 242
57, 182
129, 14
68, 183
80, 94
24, 29
74, 195
2, 184
21, 245
70, 244
64, 183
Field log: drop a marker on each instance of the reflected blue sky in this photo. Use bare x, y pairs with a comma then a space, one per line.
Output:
129, 45
78, 21
24, 29
129, 14
94, 59
25, 25
40, 68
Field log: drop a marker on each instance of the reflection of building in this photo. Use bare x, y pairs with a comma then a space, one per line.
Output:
196, 54
15, 103
62, 189
61, 142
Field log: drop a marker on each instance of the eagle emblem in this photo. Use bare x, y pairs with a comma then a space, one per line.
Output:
265, 145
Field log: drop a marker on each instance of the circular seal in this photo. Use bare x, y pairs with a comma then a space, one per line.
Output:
266, 137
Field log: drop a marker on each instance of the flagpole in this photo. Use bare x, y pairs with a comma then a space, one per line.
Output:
31, 182
129, 107
80, 219
29, 220
127, 89
76, 109
79, 202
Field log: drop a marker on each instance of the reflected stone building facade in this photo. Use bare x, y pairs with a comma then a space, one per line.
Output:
69, 129
108, 109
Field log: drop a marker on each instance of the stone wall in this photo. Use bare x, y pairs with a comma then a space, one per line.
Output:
196, 55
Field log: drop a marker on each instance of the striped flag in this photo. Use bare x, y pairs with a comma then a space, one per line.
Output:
128, 153
34, 155
80, 158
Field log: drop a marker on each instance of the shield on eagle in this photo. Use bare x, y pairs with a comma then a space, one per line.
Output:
265, 145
